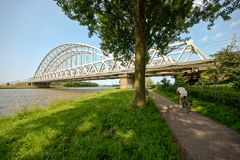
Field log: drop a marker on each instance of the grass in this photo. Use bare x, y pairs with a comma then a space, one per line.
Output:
100, 126
227, 115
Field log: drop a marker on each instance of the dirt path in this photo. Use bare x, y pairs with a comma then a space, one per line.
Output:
201, 137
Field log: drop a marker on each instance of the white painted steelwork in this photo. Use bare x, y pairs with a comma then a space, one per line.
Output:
75, 60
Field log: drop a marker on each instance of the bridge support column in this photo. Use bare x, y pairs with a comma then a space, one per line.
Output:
41, 85
126, 81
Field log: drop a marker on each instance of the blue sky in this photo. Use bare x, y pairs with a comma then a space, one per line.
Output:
29, 29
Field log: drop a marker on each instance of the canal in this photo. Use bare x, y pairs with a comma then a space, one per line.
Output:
14, 100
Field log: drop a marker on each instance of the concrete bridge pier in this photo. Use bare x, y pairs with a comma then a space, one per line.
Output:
41, 85
126, 81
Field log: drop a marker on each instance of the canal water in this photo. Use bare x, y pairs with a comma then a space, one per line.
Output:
13, 100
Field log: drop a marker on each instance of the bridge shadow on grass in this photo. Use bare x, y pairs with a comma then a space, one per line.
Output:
104, 126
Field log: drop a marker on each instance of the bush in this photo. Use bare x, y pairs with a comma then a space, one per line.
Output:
165, 82
181, 79
153, 86
236, 85
226, 96
79, 84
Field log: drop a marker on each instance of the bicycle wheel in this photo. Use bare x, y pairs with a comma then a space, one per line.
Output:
188, 107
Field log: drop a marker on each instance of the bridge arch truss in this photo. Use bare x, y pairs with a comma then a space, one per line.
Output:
77, 61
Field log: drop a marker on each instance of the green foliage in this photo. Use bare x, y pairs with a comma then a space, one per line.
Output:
75, 84
226, 114
226, 68
133, 27
165, 83
149, 82
100, 126
228, 64
209, 76
222, 95
227, 98
164, 21
80, 84
181, 79
236, 84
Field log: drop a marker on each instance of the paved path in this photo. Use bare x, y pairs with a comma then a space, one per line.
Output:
201, 137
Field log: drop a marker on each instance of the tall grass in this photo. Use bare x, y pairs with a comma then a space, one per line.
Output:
101, 126
221, 94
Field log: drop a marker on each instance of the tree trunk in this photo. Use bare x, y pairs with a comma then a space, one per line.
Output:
139, 82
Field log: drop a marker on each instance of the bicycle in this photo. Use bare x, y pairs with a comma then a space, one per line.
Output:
186, 104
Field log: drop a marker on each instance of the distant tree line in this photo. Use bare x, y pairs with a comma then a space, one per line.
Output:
76, 84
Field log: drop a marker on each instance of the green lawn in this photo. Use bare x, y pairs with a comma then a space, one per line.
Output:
100, 126
227, 115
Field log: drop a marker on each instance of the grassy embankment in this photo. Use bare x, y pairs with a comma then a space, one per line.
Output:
223, 107
99, 126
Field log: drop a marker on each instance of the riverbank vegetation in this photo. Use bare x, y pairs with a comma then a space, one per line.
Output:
15, 86
74, 84
100, 126
53, 85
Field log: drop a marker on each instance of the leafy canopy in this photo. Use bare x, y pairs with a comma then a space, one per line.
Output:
149, 82
164, 20
180, 79
227, 67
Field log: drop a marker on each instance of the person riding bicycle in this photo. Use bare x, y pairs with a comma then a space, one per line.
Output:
182, 95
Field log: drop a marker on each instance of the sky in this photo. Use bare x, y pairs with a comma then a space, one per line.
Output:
29, 29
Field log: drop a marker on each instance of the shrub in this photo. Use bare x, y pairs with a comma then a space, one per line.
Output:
226, 96
165, 82
236, 85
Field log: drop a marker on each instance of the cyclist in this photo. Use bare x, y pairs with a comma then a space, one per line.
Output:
182, 95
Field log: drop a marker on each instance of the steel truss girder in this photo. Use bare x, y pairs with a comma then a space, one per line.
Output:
63, 62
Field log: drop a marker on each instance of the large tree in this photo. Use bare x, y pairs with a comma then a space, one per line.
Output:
128, 27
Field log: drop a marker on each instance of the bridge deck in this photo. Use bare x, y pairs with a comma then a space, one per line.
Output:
168, 69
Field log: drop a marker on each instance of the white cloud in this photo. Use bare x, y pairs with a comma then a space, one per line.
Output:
235, 23
205, 38
220, 35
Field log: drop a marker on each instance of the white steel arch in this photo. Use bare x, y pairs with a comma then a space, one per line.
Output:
75, 60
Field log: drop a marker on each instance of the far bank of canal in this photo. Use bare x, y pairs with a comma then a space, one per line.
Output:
13, 100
